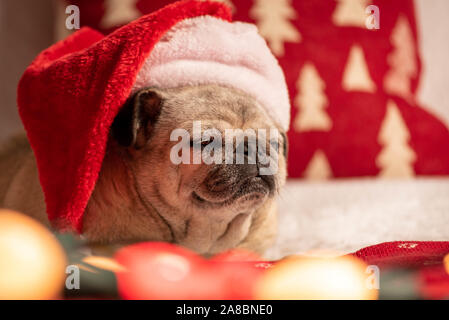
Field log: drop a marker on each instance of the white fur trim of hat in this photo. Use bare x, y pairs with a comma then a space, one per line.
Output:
208, 50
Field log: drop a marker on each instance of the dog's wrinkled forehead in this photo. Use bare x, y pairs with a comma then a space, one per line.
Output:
213, 102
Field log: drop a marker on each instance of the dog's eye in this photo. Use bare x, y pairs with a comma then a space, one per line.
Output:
202, 143
206, 142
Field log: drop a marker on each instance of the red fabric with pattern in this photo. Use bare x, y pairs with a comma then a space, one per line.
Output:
404, 253
351, 145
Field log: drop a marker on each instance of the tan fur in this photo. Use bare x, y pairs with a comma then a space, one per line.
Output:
19, 182
142, 195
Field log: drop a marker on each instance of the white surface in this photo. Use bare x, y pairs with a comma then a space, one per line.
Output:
433, 93
346, 215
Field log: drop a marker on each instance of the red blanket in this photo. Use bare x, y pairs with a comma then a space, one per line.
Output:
424, 259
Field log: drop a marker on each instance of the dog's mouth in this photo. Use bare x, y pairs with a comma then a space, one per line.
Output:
252, 189
197, 198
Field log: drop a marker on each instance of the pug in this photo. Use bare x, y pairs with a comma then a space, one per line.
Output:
142, 195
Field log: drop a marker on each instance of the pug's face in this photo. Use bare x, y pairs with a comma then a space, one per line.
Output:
202, 204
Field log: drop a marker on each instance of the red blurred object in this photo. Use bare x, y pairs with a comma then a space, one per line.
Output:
160, 271
236, 255
434, 282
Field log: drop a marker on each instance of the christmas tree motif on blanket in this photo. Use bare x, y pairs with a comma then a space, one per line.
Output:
272, 19
356, 76
402, 60
350, 13
397, 157
119, 12
311, 101
318, 167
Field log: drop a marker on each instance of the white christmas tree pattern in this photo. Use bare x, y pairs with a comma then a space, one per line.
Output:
318, 167
350, 13
356, 76
272, 19
397, 157
311, 101
402, 60
119, 12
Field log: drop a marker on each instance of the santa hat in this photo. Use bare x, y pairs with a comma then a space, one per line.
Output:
70, 94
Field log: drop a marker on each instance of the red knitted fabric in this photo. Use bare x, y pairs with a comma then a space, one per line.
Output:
424, 259
404, 253
70, 94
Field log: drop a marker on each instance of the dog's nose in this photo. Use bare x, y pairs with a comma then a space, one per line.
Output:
224, 176
249, 170
270, 181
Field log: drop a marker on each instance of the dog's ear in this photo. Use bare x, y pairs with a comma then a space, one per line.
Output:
133, 124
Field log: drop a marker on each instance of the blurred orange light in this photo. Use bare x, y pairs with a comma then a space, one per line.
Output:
314, 278
32, 263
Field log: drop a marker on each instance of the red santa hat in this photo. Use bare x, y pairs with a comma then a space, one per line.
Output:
70, 94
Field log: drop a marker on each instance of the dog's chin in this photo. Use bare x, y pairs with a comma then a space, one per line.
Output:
253, 191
